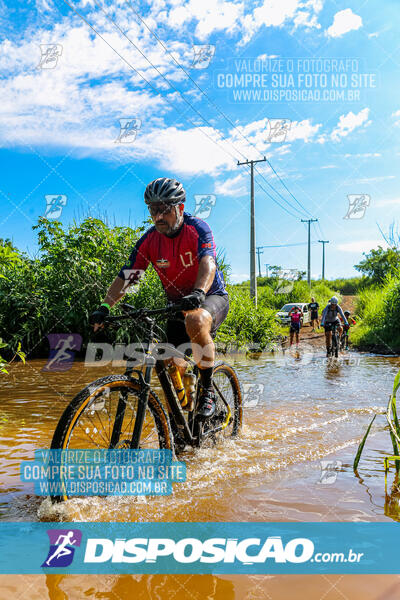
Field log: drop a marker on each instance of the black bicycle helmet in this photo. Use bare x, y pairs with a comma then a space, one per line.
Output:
167, 191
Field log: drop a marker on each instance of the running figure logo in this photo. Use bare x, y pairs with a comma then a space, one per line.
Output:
253, 394
202, 56
128, 130
357, 205
277, 129
62, 547
50, 54
54, 205
329, 471
204, 204
62, 350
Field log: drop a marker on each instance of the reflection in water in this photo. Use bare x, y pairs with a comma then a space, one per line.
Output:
53, 587
145, 587
392, 500
309, 409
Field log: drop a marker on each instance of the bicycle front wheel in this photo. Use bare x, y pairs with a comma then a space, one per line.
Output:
229, 409
103, 416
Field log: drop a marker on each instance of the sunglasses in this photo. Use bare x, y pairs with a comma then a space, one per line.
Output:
164, 209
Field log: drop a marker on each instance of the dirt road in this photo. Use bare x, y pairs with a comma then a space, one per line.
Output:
317, 338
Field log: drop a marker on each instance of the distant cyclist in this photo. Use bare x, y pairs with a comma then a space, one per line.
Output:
330, 316
313, 308
346, 328
295, 315
181, 249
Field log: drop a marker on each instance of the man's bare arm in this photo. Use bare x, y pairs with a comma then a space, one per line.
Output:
116, 291
206, 273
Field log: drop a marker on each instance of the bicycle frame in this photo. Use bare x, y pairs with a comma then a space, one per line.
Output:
335, 337
186, 427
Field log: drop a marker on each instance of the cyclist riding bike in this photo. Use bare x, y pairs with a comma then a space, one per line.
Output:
346, 328
330, 316
181, 249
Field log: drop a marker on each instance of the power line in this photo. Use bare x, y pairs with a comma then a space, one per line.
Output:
276, 201
280, 195
216, 106
187, 102
286, 245
144, 78
192, 107
161, 74
287, 189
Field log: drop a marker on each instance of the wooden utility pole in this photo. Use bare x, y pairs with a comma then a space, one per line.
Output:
309, 221
323, 242
253, 279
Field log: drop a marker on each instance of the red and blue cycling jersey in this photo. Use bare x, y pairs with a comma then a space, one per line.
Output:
176, 258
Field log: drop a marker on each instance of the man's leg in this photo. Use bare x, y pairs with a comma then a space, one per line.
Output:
291, 336
201, 324
328, 339
198, 326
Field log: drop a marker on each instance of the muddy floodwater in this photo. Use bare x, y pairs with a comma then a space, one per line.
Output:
293, 460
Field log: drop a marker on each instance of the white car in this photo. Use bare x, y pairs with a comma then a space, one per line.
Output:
283, 315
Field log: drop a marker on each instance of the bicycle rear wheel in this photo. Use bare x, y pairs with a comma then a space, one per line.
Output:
103, 415
335, 343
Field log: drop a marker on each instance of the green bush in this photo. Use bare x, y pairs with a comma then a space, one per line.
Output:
350, 286
378, 308
268, 298
57, 291
246, 325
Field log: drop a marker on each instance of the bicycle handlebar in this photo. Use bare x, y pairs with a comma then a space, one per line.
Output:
142, 313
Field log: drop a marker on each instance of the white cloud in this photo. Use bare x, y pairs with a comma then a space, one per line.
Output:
238, 277
396, 116
361, 246
388, 202
267, 56
211, 15
374, 179
234, 186
302, 130
187, 151
350, 122
343, 22
365, 155
277, 13
375, 34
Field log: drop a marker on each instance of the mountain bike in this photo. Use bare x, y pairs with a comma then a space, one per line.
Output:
344, 339
124, 411
334, 347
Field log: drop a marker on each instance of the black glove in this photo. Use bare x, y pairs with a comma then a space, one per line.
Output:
98, 316
193, 300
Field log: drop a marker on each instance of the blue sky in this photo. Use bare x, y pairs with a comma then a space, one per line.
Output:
60, 125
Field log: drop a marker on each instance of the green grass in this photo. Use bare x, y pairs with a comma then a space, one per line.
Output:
378, 308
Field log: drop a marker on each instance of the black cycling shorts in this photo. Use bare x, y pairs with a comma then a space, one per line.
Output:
314, 315
216, 305
328, 326
295, 327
